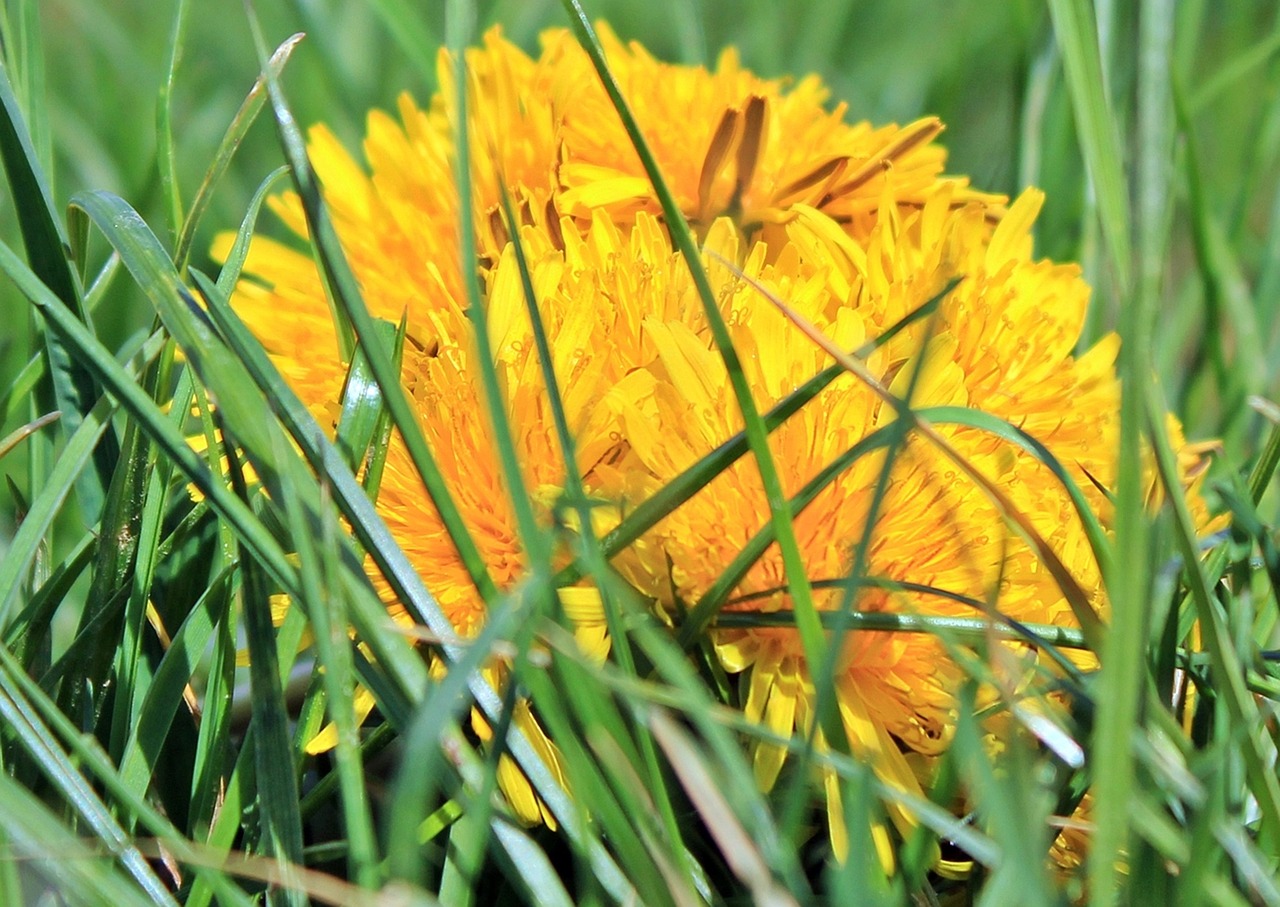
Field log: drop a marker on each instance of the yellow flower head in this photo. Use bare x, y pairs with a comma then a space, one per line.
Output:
854, 227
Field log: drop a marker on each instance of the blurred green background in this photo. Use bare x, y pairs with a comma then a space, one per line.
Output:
990, 70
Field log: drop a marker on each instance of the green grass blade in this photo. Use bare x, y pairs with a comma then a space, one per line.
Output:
79, 871
1077, 35
166, 158
74, 387
317, 559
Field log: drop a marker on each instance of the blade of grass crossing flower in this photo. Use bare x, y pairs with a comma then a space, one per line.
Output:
1077, 35
342, 281
706, 608
459, 25
74, 388
757, 438
851, 791
333, 648
1076, 597
227, 148
689, 482
362, 410
593, 556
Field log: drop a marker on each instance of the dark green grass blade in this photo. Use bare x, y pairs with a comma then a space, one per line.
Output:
165, 693
687, 484
75, 389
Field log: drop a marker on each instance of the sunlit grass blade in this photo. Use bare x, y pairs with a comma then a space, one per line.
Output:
164, 122
18, 435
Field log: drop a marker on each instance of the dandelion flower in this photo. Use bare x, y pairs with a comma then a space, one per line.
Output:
855, 227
